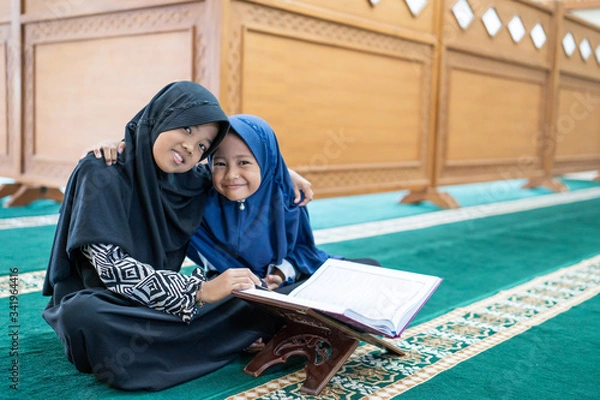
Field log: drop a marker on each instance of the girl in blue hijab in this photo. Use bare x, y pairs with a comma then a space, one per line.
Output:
251, 220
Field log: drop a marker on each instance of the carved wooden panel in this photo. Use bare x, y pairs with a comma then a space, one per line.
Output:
55, 9
578, 126
393, 14
340, 98
86, 77
364, 178
345, 105
491, 120
7, 135
4, 138
584, 58
476, 38
94, 94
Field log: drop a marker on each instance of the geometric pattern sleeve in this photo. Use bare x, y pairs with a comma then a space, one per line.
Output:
162, 290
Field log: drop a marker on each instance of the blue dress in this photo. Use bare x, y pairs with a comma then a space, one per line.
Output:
269, 228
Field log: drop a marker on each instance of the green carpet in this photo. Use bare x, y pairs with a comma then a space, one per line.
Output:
458, 337
477, 258
17, 245
40, 207
557, 360
340, 211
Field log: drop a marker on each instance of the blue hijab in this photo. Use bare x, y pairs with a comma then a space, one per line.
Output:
270, 227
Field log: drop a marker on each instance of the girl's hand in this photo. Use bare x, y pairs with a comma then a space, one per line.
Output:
109, 148
273, 281
225, 283
301, 184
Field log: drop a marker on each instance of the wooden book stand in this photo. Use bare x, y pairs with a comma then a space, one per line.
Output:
325, 342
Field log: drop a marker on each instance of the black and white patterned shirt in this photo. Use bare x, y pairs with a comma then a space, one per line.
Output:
162, 290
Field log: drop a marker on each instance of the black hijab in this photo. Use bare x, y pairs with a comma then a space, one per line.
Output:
148, 213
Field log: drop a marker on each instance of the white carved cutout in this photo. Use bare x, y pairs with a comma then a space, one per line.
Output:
598, 54
516, 29
374, 2
538, 35
585, 48
569, 44
491, 21
463, 13
416, 6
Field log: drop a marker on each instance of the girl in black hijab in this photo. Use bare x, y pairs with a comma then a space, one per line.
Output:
119, 303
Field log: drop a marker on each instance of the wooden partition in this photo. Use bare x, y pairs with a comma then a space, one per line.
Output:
87, 68
347, 87
495, 91
10, 132
364, 95
493, 94
576, 144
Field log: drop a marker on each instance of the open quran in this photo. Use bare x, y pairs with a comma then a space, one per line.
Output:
340, 305
371, 299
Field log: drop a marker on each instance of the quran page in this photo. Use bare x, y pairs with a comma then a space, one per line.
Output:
379, 299
374, 293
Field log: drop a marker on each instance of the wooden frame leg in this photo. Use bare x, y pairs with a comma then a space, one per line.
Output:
326, 350
443, 200
548, 182
24, 194
8, 189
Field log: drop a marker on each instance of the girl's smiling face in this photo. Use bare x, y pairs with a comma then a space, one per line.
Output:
179, 150
235, 171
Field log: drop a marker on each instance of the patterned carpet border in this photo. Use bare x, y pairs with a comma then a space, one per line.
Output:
444, 342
